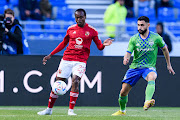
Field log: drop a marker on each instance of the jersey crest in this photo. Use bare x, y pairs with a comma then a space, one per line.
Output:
87, 33
151, 42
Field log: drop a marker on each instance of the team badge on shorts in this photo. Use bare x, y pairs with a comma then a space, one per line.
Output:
60, 71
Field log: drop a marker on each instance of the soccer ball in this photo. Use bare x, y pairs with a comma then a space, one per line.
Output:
59, 88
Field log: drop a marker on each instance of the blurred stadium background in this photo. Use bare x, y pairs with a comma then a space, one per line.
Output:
54, 30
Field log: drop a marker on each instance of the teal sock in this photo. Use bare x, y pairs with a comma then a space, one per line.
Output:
122, 102
150, 89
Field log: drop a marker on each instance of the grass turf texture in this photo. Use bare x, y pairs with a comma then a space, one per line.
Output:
89, 113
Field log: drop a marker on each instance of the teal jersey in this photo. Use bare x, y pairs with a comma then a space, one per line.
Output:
145, 50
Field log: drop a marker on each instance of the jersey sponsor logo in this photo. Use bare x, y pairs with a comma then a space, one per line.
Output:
87, 33
79, 41
146, 49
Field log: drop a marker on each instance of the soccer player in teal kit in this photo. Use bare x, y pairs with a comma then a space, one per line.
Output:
145, 46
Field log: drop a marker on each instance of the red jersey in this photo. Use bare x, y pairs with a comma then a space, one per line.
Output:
79, 39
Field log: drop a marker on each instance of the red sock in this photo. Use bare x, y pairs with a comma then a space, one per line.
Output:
73, 98
52, 99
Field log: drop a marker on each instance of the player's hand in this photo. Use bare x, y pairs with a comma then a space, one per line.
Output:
46, 58
108, 42
125, 61
169, 67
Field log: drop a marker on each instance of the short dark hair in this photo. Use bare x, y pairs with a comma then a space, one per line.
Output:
80, 9
146, 19
9, 11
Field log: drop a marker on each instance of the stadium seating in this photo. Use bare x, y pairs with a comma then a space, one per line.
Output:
166, 14
58, 3
64, 13
14, 2
177, 3
149, 12
3, 2
178, 15
3, 7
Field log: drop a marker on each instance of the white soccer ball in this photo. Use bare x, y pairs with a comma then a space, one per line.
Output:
59, 88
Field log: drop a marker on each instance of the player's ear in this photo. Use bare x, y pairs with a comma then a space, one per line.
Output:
148, 24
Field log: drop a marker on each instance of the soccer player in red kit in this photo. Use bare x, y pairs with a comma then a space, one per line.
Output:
79, 37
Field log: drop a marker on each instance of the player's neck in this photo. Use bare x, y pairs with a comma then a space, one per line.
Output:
145, 35
82, 25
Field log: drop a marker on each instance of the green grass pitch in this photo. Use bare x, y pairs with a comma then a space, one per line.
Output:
89, 113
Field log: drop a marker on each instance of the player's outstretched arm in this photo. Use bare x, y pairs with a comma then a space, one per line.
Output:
166, 55
126, 59
108, 42
46, 58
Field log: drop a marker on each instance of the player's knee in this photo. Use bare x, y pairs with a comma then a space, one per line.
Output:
152, 77
123, 93
59, 78
75, 85
75, 82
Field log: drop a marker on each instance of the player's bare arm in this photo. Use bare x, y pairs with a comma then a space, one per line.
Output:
166, 55
46, 58
126, 58
108, 42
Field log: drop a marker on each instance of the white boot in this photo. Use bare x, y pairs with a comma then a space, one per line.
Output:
71, 112
47, 111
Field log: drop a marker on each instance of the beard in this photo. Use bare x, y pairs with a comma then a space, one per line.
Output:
142, 31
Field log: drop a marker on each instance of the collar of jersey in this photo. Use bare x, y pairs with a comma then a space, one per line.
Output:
146, 38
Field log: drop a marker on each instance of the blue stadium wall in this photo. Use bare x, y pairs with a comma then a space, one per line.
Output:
24, 81
44, 47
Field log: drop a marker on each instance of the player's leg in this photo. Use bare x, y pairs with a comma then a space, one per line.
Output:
63, 72
123, 99
150, 89
52, 99
74, 93
123, 96
150, 75
130, 79
78, 70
